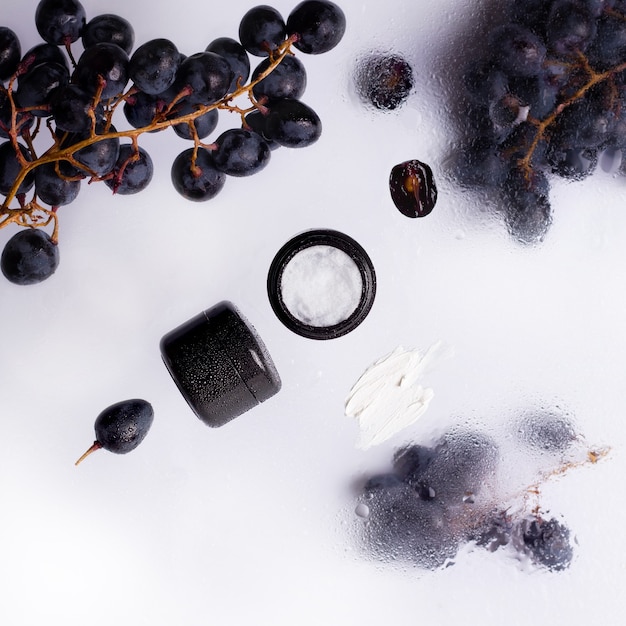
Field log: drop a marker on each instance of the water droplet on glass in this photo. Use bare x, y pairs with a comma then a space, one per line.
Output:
362, 510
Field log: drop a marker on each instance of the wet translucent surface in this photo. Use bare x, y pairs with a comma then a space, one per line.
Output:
254, 522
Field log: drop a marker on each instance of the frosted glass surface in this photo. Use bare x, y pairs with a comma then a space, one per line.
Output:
254, 523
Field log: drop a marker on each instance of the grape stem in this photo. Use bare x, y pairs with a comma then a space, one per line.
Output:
34, 215
592, 456
543, 125
95, 446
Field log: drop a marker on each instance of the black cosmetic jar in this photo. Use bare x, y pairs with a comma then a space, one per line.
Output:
220, 364
321, 284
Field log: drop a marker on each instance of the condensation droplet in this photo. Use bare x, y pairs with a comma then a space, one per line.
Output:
362, 510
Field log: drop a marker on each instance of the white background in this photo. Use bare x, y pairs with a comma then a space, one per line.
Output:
253, 523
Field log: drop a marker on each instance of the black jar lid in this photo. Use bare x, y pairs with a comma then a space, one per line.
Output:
220, 364
364, 298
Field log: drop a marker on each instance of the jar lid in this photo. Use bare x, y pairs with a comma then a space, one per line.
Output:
220, 364
321, 284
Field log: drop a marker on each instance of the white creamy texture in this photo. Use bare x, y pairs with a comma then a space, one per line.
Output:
388, 397
321, 286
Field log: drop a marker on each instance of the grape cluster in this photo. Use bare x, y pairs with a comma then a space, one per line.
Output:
546, 100
440, 497
155, 86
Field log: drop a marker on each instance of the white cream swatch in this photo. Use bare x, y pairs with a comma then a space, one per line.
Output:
388, 396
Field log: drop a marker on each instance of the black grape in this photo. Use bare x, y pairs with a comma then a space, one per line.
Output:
57, 188
102, 61
72, 109
523, 141
37, 86
539, 93
527, 209
546, 542
609, 46
99, 157
206, 75
204, 124
585, 124
197, 181
240, 152
544, 99
10, 53
598, 7
410, 463
153, 66
60, 22
480, 164
530, 13
23, 120
506, 113
10, 168
121, 427
29, 257
71, 93
384, 81
287, 80
132, 172
292, 123
401, 524
319, 26
413, 188
546, 431
257, 121
261, 30
570, 28
236, 56
44, 53
519, 51
573, 163
109, 28
141, 109
462, 463
382, 481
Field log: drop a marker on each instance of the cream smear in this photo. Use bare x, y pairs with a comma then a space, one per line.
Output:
388, 396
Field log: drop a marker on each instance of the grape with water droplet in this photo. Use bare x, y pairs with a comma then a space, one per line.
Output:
121, 427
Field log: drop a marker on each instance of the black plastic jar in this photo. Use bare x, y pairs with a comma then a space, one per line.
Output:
220, 364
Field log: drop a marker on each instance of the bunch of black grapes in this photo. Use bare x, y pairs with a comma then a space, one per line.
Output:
440, 497
157, 87
545, 100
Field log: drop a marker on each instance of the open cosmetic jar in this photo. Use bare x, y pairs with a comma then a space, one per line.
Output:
220, 364
321, 284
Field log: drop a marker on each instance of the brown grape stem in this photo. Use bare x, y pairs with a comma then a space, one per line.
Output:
96, 446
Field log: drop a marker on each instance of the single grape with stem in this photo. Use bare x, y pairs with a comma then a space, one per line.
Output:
121, 427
